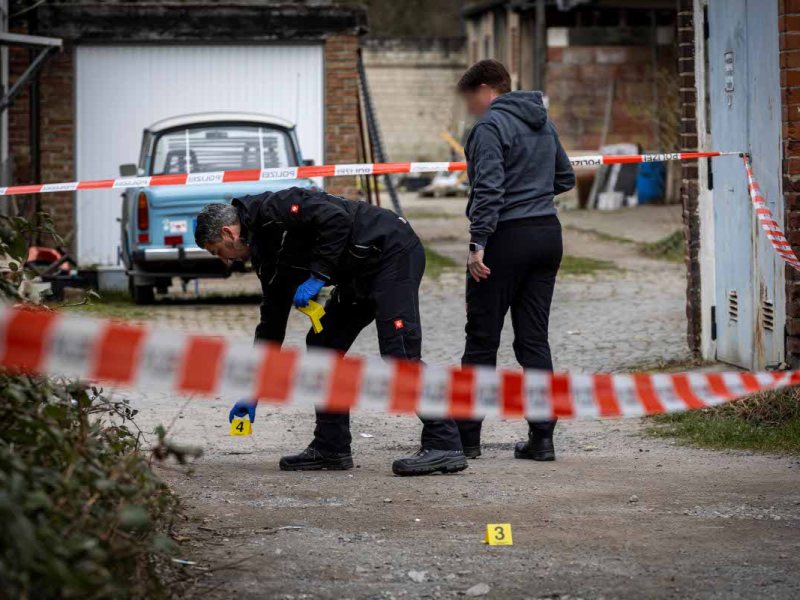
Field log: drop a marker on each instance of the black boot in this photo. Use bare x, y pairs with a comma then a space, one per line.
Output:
472, 451
312, 459
427, 460
470, 432
538, 447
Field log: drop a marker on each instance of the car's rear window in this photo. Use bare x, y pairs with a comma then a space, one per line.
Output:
222, 148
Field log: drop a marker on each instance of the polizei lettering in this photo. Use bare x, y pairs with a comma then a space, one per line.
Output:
279, 173
195, 178
131, 182
586, 161
354, 169
660, 157
60, 187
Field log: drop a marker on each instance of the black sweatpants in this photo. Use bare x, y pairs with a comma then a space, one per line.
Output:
392, 301
524, 256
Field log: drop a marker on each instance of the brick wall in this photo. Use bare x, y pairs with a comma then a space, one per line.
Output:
412, 83
577, 83
789, 27
341, 109
18, 120
57, 133
689, 182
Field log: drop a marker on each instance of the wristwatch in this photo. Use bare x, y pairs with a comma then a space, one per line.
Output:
473, 247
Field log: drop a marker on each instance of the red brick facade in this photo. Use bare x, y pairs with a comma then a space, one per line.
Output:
57, 123
341, 109
789, 27
57, 132
18, 121
577, 84
689, 183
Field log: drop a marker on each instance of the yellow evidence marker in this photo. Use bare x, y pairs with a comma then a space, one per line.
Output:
241, 426
498, 534
315, 312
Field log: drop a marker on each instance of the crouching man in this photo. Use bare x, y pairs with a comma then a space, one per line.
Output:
300, 241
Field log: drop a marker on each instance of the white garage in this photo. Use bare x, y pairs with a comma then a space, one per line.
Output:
120, 90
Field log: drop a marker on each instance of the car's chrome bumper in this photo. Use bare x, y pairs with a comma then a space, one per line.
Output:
176, 254
176, 262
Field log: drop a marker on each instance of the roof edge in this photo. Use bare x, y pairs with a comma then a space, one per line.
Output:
218, 116
150, 22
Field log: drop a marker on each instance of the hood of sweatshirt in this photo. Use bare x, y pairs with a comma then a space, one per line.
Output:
528, 107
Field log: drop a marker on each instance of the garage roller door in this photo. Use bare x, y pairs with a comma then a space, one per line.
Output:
121, 90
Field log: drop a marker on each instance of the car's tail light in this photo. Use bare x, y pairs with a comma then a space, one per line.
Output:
173, 240
144, 238
142, 212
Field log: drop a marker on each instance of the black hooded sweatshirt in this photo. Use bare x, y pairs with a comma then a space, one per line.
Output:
515, 163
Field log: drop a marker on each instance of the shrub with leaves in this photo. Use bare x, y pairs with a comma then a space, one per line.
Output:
81, 513
16, 235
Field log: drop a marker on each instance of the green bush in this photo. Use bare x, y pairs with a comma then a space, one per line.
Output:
82, 514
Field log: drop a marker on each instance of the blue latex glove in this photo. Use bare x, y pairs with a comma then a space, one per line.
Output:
307, 291
242, 409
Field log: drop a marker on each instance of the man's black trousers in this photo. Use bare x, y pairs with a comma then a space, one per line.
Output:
524, 256
391, 300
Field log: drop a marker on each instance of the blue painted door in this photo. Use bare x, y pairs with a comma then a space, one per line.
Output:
745, 114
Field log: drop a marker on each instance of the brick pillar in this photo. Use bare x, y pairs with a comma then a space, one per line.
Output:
57, 133
789, 28
689, 183
57, 97
18, 121
341, 110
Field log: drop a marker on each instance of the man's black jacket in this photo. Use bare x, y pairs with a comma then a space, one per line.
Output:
336, 239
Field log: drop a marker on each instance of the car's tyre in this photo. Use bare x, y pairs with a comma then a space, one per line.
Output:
141, 294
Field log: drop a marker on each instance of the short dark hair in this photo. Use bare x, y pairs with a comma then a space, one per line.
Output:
486, 72
210, 222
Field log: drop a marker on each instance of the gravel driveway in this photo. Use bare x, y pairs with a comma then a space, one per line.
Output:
619, 515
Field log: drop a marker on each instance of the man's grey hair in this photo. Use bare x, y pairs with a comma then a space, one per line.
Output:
210, 222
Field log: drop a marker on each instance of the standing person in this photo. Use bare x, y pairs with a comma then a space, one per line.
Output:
300, 241
516, 165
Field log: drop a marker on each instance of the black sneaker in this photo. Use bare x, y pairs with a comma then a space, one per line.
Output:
312, 459
427, 461
472, 451
536, 448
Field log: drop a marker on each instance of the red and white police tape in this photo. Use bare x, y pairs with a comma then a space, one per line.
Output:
157, 359
770, 226
322, 171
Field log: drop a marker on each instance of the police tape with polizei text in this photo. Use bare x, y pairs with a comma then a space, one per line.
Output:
158, 359
340, 170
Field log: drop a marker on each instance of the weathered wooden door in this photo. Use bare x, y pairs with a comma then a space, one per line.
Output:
745, 114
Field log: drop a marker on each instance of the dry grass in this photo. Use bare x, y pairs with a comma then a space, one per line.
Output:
766, 422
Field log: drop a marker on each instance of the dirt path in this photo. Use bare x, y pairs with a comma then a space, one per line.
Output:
619, 515
705, 525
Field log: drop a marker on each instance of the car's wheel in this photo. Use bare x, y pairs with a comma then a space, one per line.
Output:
141, 294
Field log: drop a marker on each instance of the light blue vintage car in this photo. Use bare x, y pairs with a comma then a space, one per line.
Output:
158, 222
